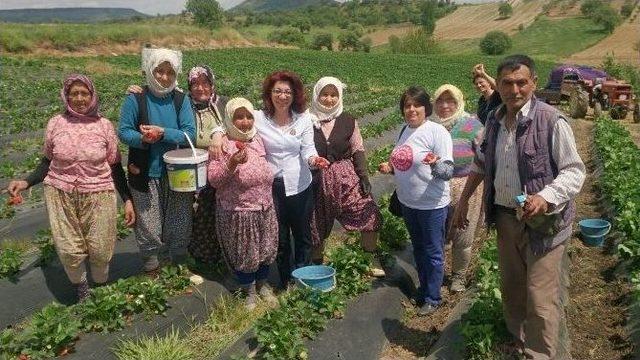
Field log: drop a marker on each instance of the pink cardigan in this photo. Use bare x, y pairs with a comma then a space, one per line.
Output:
248, 188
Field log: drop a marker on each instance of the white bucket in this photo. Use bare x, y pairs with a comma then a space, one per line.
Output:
186, 168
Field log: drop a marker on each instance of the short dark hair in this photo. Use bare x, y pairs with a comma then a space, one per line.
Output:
299, 104
514, 62
419, 95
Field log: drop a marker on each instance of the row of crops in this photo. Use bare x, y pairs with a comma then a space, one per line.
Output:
620, 184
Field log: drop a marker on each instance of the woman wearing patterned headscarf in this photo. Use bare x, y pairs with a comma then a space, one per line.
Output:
164, 216
245, 218
208, 107
343, 189
80, 157
467, 133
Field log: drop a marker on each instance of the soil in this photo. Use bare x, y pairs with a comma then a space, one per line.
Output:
380, 37
634, 128
474, 21
622, 44
419, 333
598, 298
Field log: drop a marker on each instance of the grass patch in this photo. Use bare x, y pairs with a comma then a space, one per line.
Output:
557, 38
227, 322
170, 347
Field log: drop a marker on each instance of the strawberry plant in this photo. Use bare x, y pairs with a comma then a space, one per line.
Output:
620, 160
51, 332
122, 228
483, 326
378, 156
44, 242
10, 262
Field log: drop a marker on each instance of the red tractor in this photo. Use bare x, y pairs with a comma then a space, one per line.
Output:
585, 87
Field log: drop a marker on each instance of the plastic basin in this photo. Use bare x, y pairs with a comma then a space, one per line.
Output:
594, 230
316, 277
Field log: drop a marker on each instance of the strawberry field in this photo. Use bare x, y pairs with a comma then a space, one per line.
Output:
29, 94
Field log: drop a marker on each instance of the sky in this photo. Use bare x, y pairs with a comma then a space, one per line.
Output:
151, 7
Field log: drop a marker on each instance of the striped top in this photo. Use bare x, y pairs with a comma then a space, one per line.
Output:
507, 178
467, 134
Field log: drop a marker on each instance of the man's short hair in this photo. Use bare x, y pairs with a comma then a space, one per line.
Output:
514, 62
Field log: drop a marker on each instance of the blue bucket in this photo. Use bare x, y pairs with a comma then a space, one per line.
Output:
594, 230
316, 277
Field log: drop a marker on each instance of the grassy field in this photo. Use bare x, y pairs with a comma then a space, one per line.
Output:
550, 39
26, 38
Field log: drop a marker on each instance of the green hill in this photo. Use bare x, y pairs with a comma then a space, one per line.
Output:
69, 15
272, 5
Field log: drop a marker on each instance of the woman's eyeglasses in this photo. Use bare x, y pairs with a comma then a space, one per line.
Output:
279, 92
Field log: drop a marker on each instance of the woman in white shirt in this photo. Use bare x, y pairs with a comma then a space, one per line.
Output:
287, 131
422, 164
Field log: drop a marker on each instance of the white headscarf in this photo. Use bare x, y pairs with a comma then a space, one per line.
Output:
150, 61
320, 112
232, 131
457, 95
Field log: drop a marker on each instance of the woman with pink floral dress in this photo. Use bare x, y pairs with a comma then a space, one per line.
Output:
246, 221
80, 159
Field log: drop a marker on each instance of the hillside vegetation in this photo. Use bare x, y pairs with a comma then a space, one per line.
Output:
72, 15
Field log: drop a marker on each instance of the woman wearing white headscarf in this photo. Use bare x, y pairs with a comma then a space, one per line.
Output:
165, 216
245, 216
343, 189
467, 133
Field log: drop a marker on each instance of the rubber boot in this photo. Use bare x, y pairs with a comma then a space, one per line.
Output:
249, 291
265, 292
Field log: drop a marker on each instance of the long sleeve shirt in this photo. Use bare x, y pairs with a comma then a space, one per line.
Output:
571, 169
420, 186
162, 113
289, 149
248, 187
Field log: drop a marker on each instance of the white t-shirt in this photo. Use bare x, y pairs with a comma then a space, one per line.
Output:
416, 186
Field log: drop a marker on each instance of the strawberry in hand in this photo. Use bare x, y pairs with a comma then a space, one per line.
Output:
241, 145
15, 200
430, 158
321, 163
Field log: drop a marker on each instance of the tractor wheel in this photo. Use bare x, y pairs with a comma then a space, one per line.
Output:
618, 112
636, 113
597, 110
578, 103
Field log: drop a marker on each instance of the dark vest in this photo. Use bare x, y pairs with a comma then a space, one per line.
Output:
338, 145
536, 167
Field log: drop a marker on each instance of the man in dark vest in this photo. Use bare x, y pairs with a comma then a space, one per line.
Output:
529, 149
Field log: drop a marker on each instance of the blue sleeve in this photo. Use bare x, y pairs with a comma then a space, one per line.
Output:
186, 124
127, 128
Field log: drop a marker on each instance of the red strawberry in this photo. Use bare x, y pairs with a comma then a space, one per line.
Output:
429, 158
240, 145
15, 200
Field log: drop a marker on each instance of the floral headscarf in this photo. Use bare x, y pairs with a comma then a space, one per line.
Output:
92, 110
320, 112
204, 70
235, 133
457, 95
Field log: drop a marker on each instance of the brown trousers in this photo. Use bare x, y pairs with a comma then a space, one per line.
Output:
462, 239
83, 225
533, 290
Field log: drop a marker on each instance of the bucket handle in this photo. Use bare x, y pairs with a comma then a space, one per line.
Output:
608, 229
304, 284
193, 149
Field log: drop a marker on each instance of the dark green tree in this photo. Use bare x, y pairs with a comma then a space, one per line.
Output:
428, 15
505, 10
206, 13
322, 40
495, 43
